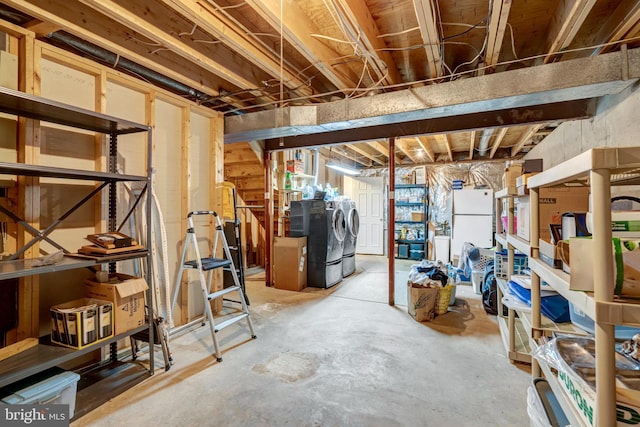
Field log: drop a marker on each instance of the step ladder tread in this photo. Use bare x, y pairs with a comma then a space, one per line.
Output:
222, 292
208, 263
230, 321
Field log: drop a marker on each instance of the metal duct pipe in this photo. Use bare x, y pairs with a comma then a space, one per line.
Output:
125, 65
484, 141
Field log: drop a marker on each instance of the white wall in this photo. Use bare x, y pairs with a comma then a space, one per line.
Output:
616, 124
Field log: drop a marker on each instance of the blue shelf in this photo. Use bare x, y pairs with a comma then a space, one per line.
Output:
409, 203
410, 222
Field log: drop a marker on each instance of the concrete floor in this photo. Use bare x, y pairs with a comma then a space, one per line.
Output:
339, 357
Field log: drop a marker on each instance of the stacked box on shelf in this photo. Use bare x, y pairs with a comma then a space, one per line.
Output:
82, 322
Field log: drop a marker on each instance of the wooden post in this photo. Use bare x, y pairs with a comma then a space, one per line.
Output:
268, 234
391, 220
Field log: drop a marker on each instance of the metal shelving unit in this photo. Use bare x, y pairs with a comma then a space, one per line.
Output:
600, 168
417, 207
114, 375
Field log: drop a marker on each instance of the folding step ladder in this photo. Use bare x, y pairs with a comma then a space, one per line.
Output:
209, 264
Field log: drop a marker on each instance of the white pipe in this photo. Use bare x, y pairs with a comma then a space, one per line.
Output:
484, 141
316, 163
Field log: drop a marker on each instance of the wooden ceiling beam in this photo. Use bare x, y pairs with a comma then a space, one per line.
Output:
566, 22
64, 17
298, 29
380, 147
366, 154
42, 28
496, 144
427, 22
619, 24
220, 27
524, 138
123, 16
403, 146
472, 143
497, 25
444, 139
344, 152
362, 29
426, 146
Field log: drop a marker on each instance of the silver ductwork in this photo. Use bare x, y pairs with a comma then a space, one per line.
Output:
484, 141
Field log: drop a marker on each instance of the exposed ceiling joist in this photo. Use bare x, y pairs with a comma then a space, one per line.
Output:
426, 146
298, 30
472, 143
344, 152
499, 15
123, 16
444, 138
368, 155
42, 28
363, 31
66, 16
618, 25
522, 141
405, 148
209, 19
566, 22
497, 142
380, 147
427, 21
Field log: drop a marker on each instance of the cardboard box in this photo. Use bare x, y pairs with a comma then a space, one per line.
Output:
522, 218
295, 166
127, 295
290, 263
522, 180
417, 216
511, 174
82, 322
549, 254
553, 202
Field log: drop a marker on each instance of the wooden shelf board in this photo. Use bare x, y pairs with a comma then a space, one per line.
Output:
501, 239
519, 243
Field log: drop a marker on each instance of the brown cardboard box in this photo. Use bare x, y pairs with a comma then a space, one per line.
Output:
511, 174
417, 216
127, 295
553, 202
290, 263
556, 201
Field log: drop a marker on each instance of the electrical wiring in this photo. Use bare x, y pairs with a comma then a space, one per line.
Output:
431, 80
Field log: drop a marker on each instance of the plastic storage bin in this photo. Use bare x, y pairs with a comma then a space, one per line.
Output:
543, 407
58, 389
585, 323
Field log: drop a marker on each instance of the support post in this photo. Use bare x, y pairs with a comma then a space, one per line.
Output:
391, 220
267, 218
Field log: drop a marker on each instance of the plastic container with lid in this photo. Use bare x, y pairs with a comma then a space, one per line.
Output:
57, 389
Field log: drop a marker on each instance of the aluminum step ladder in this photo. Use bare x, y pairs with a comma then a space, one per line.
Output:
209, 264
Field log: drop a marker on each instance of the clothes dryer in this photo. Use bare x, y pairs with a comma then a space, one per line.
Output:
325, 242
352, 221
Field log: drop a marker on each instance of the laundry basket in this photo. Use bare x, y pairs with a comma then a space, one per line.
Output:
443, 300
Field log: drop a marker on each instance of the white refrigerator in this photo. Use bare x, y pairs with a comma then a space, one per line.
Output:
472, 219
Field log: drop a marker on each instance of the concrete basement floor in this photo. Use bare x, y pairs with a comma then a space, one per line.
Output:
339, 357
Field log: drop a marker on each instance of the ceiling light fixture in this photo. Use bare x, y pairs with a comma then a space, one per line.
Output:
343, 168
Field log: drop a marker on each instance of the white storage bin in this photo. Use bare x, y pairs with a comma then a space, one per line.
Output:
58, 389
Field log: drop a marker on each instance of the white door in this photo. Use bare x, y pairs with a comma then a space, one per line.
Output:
368, 193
